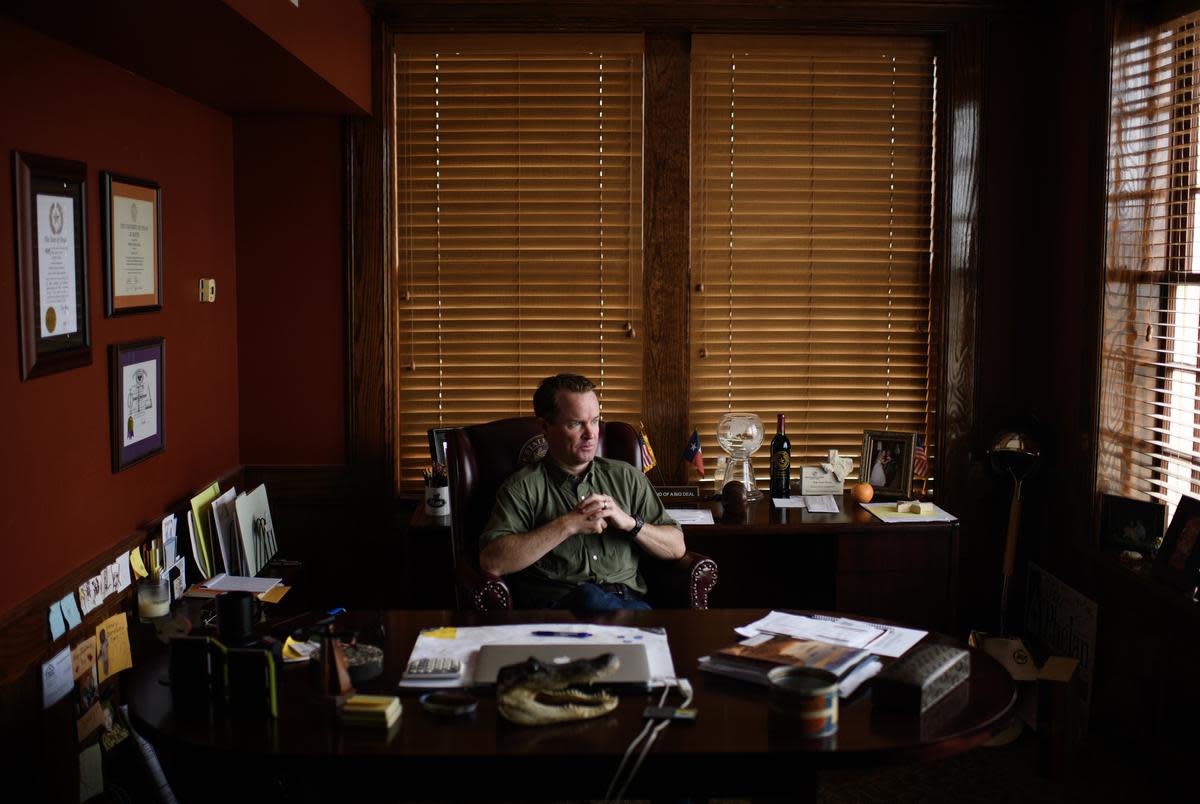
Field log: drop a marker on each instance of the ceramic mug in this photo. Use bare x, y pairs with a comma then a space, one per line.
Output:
437, 501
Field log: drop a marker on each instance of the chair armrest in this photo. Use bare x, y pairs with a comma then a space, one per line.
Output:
684, 583
481, 591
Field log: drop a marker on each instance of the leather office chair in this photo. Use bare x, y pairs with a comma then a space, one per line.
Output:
481, 457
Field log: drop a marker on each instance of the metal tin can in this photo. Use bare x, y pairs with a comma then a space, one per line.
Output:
803, 701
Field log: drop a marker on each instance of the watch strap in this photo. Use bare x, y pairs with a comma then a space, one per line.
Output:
637, 525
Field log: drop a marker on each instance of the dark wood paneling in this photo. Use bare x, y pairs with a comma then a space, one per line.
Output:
370, 418
666, 151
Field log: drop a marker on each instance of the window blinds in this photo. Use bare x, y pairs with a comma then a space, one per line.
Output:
1148, 445
518, 221
812, 191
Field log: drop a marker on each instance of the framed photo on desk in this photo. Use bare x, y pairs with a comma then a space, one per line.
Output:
887, 463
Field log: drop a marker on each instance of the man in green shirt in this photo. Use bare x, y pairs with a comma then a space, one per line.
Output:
569, 530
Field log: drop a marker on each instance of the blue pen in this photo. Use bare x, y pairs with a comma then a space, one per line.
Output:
580, 635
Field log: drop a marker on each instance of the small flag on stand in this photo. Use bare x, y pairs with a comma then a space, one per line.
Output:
920, 460
692, 453
648, 460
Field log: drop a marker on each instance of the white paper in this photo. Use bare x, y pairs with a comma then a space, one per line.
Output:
56, 264
170, 526
888, 513
120, 572
133, 244
822, 504
877, 638
787, 502
139, 385
692, 516
57, 678
224, 519
464, 644
240, 583
258, 549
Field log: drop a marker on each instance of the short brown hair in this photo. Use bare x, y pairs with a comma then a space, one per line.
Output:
545, 398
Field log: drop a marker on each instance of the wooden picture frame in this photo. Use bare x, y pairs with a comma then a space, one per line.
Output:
887, 463
50, 212
1178, 560
1131, 524
131, 233
137, 402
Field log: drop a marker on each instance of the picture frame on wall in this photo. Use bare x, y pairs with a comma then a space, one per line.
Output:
1178, 560
1131, 524
131, 232
137, 379
50, 212
887, 463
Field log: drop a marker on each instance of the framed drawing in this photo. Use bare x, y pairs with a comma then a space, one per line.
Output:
137, 377
50, 210
887, 462
1178, 560
1131, 524
131, 231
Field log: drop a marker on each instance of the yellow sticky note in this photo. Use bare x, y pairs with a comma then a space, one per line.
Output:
445, 632
274, 594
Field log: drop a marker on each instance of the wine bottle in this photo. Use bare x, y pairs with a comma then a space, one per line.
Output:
781, 461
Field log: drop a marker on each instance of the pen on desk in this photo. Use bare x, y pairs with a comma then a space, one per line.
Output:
573, 635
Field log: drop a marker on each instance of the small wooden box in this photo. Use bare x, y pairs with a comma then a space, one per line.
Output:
921, 678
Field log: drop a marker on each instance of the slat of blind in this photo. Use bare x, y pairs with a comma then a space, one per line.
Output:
518, 214
1149, 434
811, 228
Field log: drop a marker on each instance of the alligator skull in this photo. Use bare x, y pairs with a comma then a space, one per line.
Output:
534, 693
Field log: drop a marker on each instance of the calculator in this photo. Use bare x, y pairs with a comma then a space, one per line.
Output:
439, 667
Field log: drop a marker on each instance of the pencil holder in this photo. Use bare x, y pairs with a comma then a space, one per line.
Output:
437, 501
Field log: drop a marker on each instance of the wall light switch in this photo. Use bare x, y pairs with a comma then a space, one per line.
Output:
208, 290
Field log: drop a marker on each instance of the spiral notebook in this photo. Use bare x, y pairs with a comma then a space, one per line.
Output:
878, 638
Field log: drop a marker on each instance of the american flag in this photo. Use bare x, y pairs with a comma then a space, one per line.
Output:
692, 454
648, 460
920, 460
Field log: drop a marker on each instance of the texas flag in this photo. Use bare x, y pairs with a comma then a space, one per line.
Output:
692, 453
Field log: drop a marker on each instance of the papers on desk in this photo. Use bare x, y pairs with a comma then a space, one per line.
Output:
877, 638
815, 503
888, 513
464, 644
692, 516
239, 583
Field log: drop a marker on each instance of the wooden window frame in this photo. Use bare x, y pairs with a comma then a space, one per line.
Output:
959, 33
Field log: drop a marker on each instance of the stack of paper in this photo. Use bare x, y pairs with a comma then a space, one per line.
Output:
231, 532
371, 710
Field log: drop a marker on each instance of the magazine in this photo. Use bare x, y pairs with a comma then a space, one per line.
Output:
752, 659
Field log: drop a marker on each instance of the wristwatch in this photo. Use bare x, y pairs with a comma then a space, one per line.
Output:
637, 526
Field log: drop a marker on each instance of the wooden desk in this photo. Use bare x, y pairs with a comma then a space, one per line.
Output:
786, 558
730, 750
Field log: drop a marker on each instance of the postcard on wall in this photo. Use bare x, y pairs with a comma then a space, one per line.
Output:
170, 525
112, 646
57, 680
83, 656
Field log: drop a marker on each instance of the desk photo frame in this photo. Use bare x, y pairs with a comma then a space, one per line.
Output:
137, 403
50, 210
887, 463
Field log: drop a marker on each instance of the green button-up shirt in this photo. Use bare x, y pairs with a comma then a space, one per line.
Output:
541, 492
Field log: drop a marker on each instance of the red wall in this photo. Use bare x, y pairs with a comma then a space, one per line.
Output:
291, 328
60, 503
332, 37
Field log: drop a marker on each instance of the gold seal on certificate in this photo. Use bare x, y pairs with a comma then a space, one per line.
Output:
51, 319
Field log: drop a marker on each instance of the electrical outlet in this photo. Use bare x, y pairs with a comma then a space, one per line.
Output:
208, 290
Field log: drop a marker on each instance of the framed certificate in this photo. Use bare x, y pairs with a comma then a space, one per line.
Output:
50, 205
131, 226
138, 372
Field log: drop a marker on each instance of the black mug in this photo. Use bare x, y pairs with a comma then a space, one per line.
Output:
235, 618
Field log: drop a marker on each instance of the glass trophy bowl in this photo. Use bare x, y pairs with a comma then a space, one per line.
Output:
740, 434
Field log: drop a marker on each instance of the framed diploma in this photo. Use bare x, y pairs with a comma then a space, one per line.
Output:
137, 379
131, 228
50, 209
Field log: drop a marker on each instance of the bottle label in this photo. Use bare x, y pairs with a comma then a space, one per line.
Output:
781, 460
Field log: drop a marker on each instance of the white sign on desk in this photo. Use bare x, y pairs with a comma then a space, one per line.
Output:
814, 481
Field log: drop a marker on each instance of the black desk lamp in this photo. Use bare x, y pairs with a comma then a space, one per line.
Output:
1017, 453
